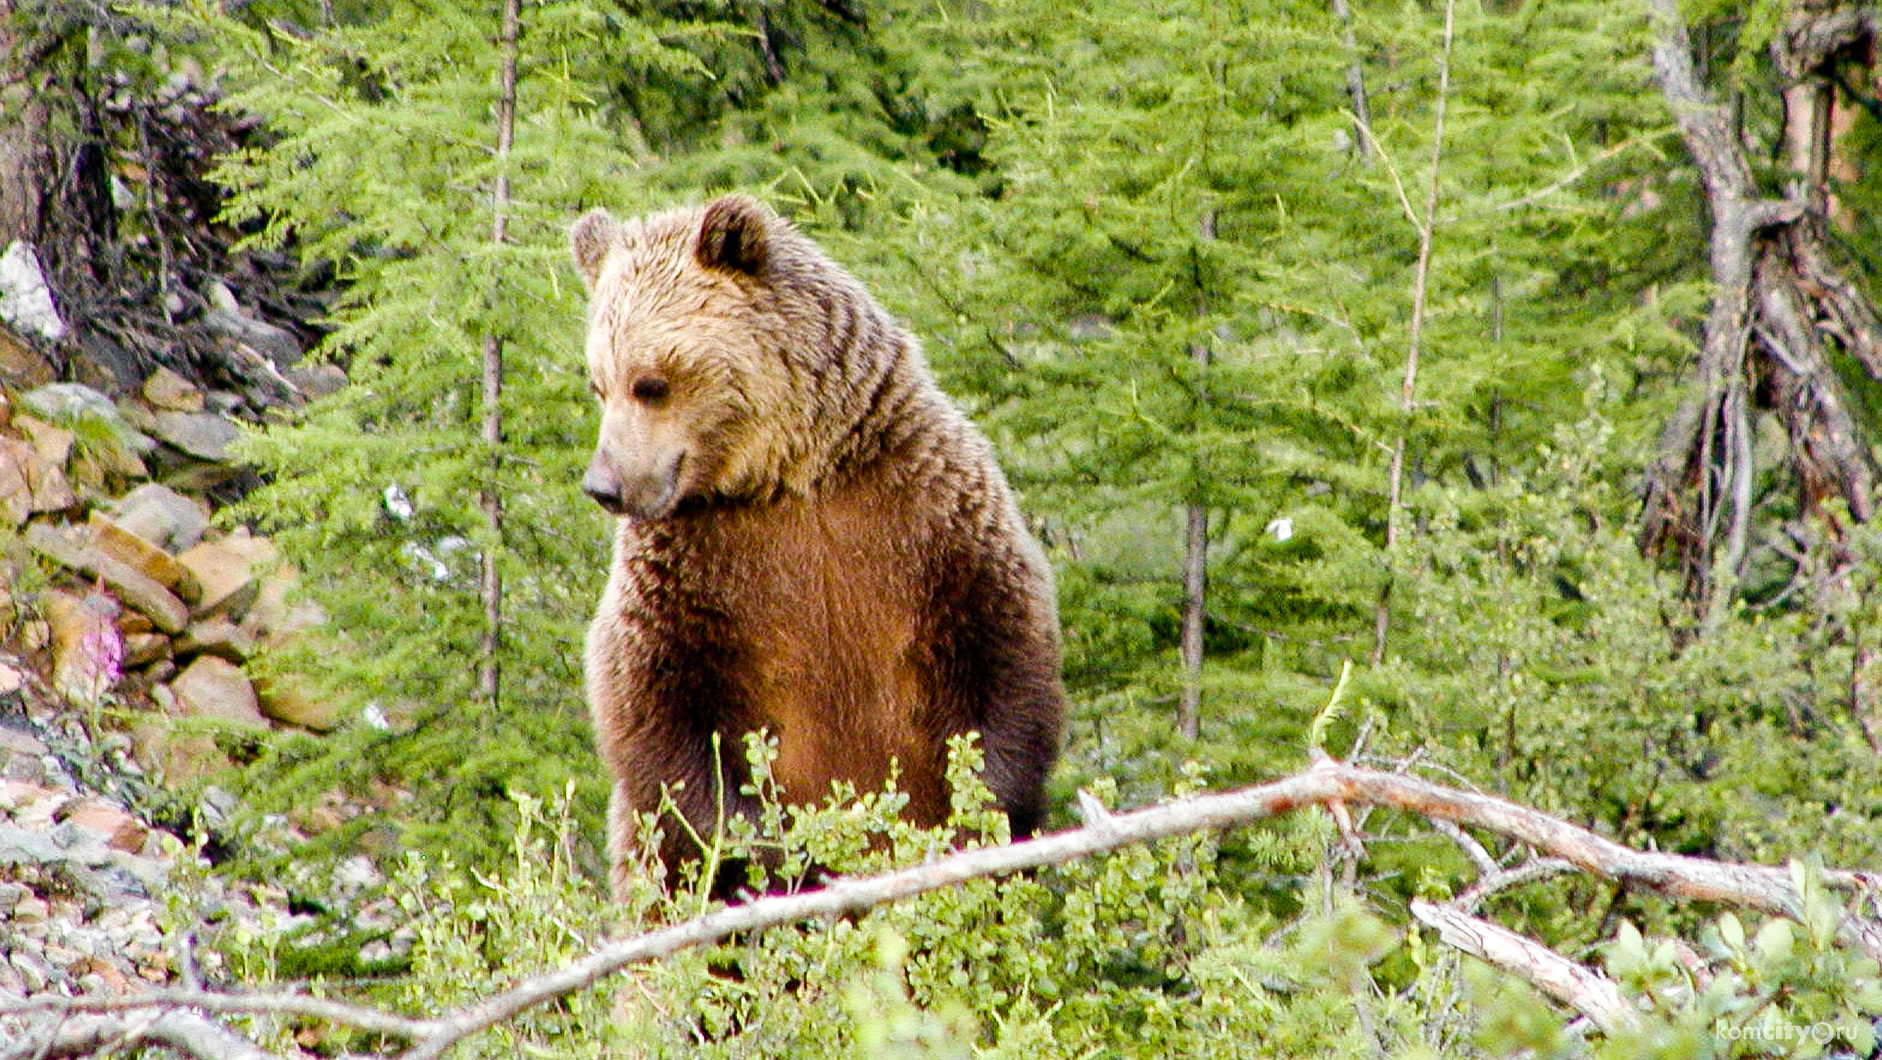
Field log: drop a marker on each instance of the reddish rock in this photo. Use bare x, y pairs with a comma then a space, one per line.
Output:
214, 688
228, 583
280, 611
53, 444
16, 493
16, 795
20, 366
118, 829
143, 555
132, 622
87, 650
167, 390
29, 484
142, 649
132, 586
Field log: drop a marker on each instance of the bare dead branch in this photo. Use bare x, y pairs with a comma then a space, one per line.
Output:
1486, 865
188, 1032
1504, 879
1583, 989
367, 1019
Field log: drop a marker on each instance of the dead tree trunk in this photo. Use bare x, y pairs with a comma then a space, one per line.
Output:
1779, 306
54, 191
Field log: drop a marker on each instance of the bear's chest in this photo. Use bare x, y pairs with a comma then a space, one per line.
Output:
819, 610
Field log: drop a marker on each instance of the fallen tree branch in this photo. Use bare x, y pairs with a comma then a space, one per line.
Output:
1587, 991
187, 1032
366, 1019
1761, 888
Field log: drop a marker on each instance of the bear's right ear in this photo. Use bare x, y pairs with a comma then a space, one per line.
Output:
590, 240
735, 235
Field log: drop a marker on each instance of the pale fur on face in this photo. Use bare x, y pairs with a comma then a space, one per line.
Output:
730, 357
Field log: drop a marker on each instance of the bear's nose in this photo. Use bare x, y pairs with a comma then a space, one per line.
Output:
604, 485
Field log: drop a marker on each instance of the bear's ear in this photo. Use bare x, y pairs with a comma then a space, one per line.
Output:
590, 239
735, 235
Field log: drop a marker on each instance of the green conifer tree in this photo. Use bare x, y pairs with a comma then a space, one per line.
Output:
1185, 281
385, 161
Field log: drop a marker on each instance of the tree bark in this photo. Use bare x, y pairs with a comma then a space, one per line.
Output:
1196, 537
1777, 297
1195, 614
1355, 83
1587, 991
490, 671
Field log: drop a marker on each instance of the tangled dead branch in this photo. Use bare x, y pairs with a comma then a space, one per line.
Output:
1781, 309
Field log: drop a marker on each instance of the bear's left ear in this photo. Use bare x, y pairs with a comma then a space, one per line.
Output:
590, 240
735, 235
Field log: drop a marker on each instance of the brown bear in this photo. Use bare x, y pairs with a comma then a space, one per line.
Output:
813, 540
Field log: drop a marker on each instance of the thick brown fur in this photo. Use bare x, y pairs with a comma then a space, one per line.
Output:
814, 541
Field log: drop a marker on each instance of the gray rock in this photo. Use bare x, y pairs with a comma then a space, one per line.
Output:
20, 847
157, 513
79, 844
278, 345
63, 402
113, 885
204, 435
66, 404
28, 767
25, 297
151, 874
19, 741
318, 381
35, 973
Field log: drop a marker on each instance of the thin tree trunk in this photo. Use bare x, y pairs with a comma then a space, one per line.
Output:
1408, 384
1355, 83
1195, 548
1195, 610
490, 673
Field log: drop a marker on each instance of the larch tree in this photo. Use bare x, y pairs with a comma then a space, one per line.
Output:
1792, 330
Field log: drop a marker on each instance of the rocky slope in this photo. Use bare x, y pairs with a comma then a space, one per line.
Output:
127, 620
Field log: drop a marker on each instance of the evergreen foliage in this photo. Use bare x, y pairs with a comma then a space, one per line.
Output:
1071, 205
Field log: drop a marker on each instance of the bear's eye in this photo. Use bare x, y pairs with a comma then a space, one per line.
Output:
649, 388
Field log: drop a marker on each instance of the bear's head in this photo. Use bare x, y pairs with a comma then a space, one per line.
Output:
720, 340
